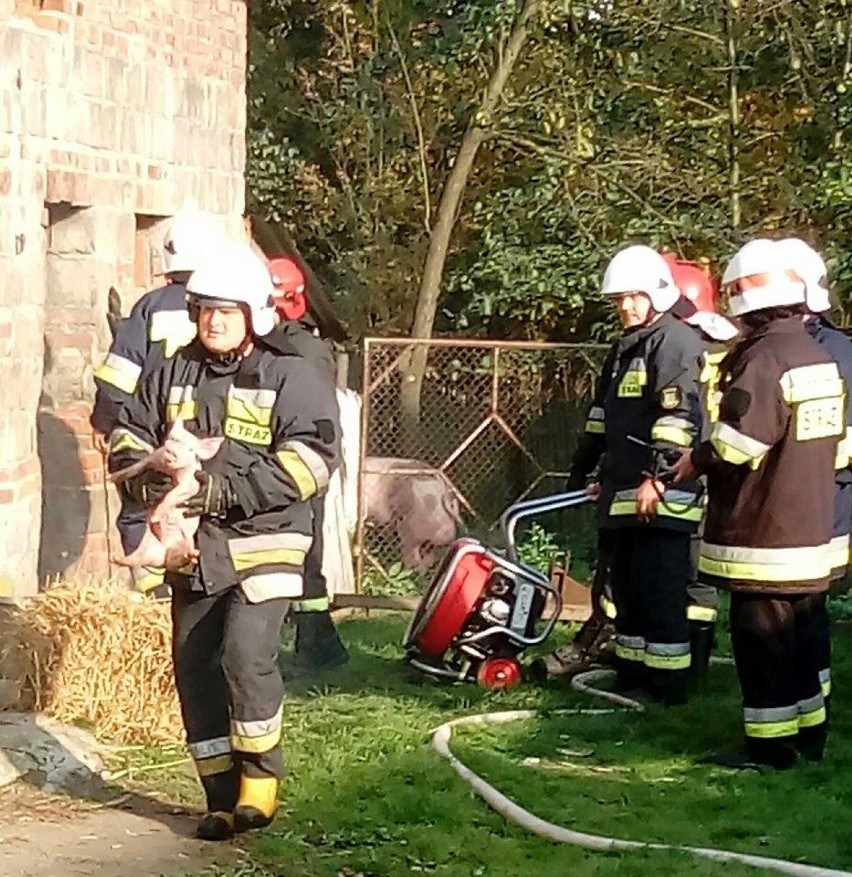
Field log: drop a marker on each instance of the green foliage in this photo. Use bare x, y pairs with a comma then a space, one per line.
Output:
538, 548
614, 127
400, 581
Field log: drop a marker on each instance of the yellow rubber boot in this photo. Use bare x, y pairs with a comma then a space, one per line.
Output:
257, 803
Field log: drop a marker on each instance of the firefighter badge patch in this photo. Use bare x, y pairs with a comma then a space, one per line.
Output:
670, 398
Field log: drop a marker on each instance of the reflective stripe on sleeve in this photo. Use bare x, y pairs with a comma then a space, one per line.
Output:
807, 382
737, 448
306, 468
120, 372
674, 430
122, 439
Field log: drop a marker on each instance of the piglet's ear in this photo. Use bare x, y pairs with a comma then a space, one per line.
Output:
209, 447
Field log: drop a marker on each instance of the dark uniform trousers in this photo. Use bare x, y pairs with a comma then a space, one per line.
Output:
778, 646
650, 573
225, 653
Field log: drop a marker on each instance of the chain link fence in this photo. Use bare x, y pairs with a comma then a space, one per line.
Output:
494, 422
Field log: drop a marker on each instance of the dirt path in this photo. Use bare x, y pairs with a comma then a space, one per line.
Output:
49, 836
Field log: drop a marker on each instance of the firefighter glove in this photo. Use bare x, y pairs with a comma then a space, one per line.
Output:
215, 496
149, 487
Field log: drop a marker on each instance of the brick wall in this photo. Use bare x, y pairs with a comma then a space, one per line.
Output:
113, 115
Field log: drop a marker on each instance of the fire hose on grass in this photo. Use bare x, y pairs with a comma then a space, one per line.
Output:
513, 812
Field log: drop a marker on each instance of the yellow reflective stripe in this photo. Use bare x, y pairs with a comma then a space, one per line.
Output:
281, 549
665, 509
667, 662
251, 406
737, 448
765, 564
281, 556
256, 736
812, 718
694, 612
210, 766
256, 744
628, 654
673, 434
299, 472
808, 382
248, 415
825, 682
812, 711
632, 382
119, 372
147, 578
630, 648
667, 656
173, 328
181, 403
710, 365
595, 422
770, 730
607, 606
247, 432
187, 410
315, 604
123, 440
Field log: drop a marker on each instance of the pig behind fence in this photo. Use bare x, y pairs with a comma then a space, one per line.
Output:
169, 539
416, 501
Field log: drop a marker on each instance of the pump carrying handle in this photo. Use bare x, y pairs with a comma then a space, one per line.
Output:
532, 507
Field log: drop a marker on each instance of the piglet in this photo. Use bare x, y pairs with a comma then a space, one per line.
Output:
169, 539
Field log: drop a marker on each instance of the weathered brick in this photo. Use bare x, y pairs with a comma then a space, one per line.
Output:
145, 108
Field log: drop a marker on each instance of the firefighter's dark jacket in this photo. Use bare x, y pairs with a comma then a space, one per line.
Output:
839, 348
157, 324
770, 464
280, 420
292, 336
648, 389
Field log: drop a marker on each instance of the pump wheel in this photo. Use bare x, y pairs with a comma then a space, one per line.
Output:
498, 673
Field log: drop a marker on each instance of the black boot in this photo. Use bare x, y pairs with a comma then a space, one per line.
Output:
221, 791
318, 646
702, 638
810, 742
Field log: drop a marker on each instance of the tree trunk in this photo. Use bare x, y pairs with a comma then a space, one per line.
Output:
414, 366
733, 114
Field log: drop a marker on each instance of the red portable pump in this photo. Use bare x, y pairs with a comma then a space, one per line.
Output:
483, 608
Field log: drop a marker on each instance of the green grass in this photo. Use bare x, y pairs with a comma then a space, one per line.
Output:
366, 796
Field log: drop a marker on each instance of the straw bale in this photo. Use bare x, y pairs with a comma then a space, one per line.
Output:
95, 655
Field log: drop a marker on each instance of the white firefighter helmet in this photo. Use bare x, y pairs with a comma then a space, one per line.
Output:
232, 276
191, 238
641, 269
774, 284
808, 264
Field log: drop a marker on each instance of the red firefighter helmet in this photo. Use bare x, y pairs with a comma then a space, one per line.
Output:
289, 282
695, 284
